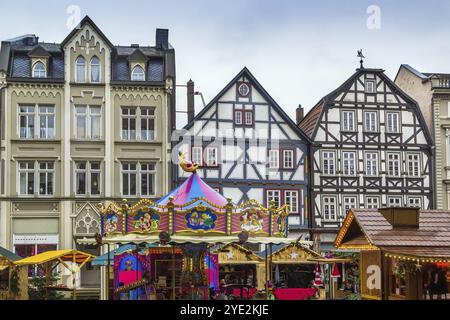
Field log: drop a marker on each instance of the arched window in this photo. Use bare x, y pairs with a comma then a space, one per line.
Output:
39, 70
137, 74
81, 69
95, 70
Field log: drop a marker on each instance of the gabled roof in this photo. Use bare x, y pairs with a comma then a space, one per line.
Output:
433, 231
247, 74
137, 55
86, 20
310, 121
39, 51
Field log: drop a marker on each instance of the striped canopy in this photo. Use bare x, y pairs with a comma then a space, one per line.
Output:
192, 189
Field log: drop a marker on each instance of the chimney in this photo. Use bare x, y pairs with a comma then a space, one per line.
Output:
402, 217
190, 100
299, 114
162, 39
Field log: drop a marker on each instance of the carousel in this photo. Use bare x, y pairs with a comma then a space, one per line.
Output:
171, 239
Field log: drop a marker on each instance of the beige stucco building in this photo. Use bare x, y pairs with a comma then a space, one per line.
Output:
432, 92
82, 122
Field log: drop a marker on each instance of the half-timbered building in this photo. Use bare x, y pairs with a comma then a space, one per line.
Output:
249, 148
371, 148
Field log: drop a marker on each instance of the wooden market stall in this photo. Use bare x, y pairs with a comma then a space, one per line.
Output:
404, 252
49, 260
13, 278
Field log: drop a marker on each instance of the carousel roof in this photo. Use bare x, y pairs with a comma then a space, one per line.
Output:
194, 188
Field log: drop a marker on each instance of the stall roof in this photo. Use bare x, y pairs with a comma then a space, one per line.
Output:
11, 256
63, 255
420, 252
103, 259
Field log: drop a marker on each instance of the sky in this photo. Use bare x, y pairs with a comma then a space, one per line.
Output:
298, 50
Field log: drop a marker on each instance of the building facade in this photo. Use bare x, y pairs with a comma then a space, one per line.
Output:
248, 148
371, 148
82, 122
432, 92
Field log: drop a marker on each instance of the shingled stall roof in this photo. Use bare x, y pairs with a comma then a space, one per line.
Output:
380, 229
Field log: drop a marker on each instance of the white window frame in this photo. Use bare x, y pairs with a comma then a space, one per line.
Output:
328, 163
346, 203
392, 199
274, 158
148, 172
88, 121
139, 173
28, 115
98, 65
373, 86
370, 203
371, 123
212, 162
372, 163
392, 122
348, 124
398, 161
35, 172
137, 76
138, 117
46, 171
417, 161
47, 114
246, 118
238, 117
414, 199
197, 158
129, 172
148, 118
88, 171
78, 65
291, 197
348, 163
326, 205
286, 154
39, 73
273, 194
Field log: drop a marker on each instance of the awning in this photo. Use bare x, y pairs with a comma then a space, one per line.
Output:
57, 255
103, 259
423, 254
11, 256
136, 238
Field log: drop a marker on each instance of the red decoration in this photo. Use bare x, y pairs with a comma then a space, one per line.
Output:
318, 276
335, 271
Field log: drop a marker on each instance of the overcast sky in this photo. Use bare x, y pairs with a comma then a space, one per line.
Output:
298, 50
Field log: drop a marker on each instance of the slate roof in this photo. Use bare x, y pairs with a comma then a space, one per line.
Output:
433, 231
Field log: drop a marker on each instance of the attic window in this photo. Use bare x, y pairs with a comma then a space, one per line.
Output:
370, 86
137, 74
39, 70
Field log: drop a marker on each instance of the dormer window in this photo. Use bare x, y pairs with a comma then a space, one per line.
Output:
81, 70
95, 70
137, 74
39, 70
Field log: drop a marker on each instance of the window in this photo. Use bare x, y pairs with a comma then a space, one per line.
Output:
349, 163
87, 177
46, 122
291, 199
81, 70
39, 70
329, 208
46, 173
371, 121
393, 123
148, 124
395, 201
328, 162
211, 156
137, 74
288, 159
238, 117
372, 202
197, 155
348, 121
138, 176
36, 175
371, 163
129, 123
414, 165
243, 89
26, 122
26, 177
393, 163
274, 195
147, 179
274, 159
349, 203
87, 122
370, 86
414, 202
248, 118
129, 179
95, 70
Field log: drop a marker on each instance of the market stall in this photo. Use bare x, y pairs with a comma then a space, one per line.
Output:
13, 278
191, 219
404, 252
72, 260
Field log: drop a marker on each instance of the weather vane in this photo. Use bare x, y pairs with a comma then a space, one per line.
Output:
360, 55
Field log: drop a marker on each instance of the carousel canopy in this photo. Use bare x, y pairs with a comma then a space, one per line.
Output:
193, 189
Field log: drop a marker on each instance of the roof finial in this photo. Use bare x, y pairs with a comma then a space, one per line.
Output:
360, 55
